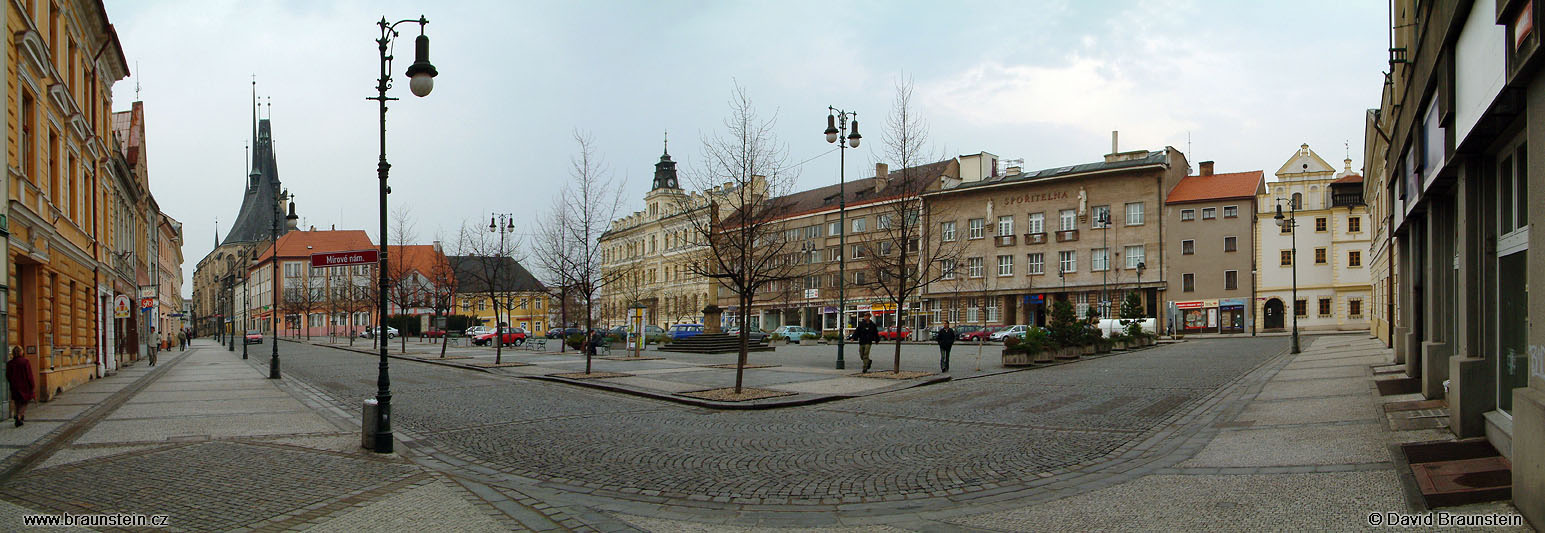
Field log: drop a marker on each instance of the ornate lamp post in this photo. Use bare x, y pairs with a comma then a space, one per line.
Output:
422, 75
230, 270
276, 284
1291, 224
500, 224
836, 126
246, 305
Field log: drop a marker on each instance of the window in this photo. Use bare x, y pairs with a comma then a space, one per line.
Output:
947, 267
1231, 244
1134, 255
1298, 201
1005, 225
1187, 214
1324, 306
1230, 279
1187, 247
882, 222
1005, 265
834, 228
1036, 223
1319, 256
1301, 308
1068, 220
1209, 213
1068, 259
859, 252
1320, 223
947, 231
1188, 282
1100, 216
1287, 258
1099, 259
885, 247
1355, 308
1036, 264
25, 139
1287, 225
1354, 224
1135, 214
974, 267
859, 278
1230, 211
1355, 258
860, 225
975, 227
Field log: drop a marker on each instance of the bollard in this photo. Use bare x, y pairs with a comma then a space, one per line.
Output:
368, 426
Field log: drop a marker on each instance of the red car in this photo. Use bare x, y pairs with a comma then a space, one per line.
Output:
890, 334
434, 333
510, 337
982, 334
253, 337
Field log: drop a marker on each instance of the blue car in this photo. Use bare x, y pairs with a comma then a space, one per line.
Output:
682, 331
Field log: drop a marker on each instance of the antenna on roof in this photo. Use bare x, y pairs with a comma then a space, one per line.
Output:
136, 80
1188, 152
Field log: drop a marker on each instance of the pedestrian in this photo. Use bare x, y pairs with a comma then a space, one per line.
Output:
866, 334
18, 373
593, 341
946, 338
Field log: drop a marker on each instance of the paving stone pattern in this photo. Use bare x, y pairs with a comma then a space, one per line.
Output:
927, 442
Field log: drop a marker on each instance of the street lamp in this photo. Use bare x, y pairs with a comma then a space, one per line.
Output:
422, 74
230, 271
836, 125
1291, 224
246, 305
1105, 273
501, 224
274, 284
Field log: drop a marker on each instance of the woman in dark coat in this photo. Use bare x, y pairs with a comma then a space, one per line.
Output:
18, 373
946, 338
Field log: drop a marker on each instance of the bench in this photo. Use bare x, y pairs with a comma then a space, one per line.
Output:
537, 344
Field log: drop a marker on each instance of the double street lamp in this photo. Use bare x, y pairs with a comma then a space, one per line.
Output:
836, 126
274, 284
422, 80
500, 224
1290, 224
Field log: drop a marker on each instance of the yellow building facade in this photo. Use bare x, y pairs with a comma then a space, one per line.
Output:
61, 62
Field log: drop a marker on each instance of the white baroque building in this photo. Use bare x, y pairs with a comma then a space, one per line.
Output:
1332, 256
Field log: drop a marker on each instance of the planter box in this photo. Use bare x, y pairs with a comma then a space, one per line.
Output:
1102, 347
1070, 352
809, 342
1123, 345
1016, 359
1087, 350
1044, 356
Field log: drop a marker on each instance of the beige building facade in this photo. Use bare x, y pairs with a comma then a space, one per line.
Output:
1210, 219
645, 258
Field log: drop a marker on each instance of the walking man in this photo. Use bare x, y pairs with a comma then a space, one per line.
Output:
866, 334
946, 338
18, 372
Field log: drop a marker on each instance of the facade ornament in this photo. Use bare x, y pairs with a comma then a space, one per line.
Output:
1083, 201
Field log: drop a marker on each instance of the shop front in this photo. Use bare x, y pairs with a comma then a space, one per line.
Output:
1199, 316
1231, 312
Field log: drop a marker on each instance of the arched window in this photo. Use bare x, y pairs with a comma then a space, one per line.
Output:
1298, 201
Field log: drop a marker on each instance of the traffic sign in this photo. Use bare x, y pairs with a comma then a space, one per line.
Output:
338, 259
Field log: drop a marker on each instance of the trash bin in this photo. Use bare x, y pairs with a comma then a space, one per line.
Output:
367, 438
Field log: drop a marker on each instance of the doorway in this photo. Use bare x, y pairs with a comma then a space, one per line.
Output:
1273, 313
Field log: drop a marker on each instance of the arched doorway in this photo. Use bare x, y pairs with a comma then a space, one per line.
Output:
1273, 313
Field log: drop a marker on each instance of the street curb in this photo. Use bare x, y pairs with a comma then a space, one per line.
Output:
755, 405
400, 357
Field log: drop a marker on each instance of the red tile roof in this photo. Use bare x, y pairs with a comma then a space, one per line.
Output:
1216, 187
297, 244
416, 257
1353, 178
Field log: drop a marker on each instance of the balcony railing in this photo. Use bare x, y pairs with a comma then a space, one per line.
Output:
1346, 199
1003, 240
1035, 238
1067, 235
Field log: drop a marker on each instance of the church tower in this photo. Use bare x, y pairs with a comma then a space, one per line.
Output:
665, 184
260, 203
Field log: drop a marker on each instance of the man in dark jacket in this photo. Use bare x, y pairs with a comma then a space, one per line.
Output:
946, 338
866, 334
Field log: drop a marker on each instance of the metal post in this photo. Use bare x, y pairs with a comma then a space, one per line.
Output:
246, 303
383, 436
1293, 223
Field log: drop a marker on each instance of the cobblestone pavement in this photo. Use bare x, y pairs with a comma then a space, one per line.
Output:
963, 446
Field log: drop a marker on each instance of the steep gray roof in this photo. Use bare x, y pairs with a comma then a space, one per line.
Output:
473, 272
259, 204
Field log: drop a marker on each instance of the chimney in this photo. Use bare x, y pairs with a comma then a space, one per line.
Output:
1113, 149
437, 247
882, 176
1205, 168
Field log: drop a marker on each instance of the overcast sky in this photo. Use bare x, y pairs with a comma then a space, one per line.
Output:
1245, 82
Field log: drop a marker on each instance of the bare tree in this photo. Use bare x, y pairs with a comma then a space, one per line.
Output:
744, 175
590, 200
491, 271
442, 289
403, 289
905, 266
556, 261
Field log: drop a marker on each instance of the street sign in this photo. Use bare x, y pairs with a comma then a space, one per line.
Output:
147, 291
338, 259
147, 304
812, 293
121, 306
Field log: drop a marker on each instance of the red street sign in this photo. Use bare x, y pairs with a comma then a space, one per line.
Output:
338, 259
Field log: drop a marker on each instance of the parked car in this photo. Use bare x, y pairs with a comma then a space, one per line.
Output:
509, 337
684, 331
434, 333
1016, 331
391, 332
474, 331
794, 332
892, 333
979, 333
559, 333
753, 335
253, 337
